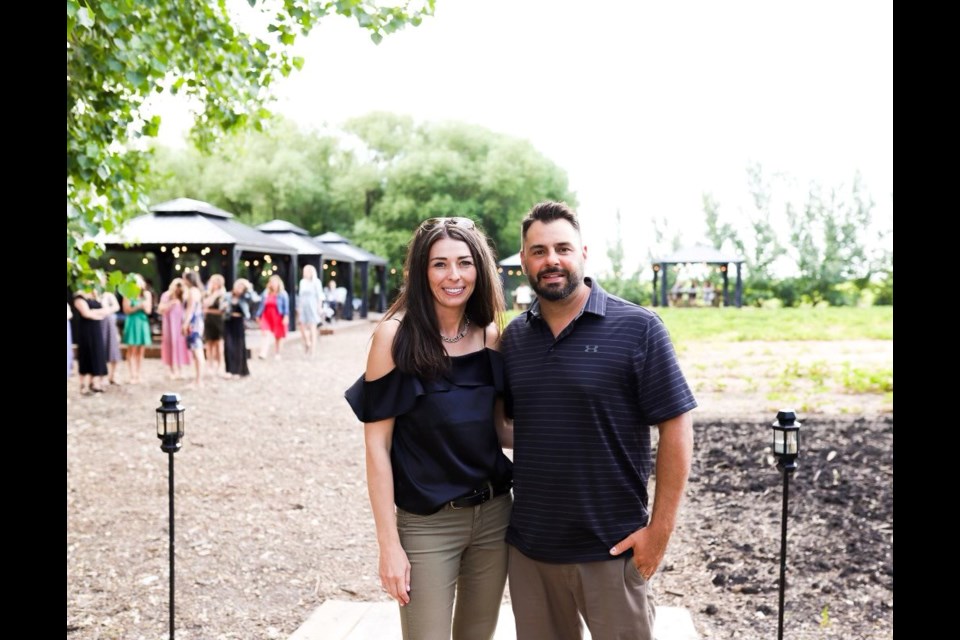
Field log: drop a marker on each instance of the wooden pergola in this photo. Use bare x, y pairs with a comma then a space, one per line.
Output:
699, 254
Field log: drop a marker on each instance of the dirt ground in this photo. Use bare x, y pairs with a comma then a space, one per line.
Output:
272, 518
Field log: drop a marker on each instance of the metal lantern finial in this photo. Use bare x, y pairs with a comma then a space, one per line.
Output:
786, 439
170, 421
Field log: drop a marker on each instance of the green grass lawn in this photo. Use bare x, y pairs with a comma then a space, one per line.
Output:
811, 384
751, 323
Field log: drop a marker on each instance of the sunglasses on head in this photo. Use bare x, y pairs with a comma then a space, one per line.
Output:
455, 221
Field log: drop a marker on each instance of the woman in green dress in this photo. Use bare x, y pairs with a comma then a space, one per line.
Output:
136, 328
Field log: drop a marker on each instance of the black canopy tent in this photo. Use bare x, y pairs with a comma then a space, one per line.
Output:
362, 260
379, 265
511, 275
511, 262
188, 230
699, 254
308, 251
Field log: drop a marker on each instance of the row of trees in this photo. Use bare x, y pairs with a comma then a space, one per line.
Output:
381, 174
824, 249
373, 181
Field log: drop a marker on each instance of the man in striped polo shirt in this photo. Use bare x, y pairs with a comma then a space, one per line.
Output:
587, 375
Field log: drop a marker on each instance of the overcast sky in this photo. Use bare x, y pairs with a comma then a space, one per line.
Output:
646, 105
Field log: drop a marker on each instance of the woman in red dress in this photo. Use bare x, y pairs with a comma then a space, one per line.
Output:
273, 314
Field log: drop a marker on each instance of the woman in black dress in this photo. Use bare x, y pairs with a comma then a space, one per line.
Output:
213, 322
236, 311
91, 352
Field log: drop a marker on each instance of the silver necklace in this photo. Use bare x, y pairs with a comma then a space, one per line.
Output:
459, 336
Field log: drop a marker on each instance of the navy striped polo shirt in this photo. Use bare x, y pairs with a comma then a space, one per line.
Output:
582, 406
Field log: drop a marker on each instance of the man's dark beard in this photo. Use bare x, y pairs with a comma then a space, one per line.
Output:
552, 293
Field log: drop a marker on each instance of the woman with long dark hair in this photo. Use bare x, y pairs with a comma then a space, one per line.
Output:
438, 480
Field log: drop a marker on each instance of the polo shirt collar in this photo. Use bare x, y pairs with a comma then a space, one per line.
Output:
596, 302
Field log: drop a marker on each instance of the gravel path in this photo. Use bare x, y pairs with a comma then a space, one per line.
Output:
272, 515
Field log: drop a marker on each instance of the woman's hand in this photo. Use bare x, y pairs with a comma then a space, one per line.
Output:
395, 573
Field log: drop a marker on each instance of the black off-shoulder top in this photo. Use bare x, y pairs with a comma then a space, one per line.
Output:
444, 440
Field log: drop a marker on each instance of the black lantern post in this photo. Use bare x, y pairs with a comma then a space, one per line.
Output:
170, 421
786, 446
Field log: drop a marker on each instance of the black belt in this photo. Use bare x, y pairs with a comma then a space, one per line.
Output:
481, 495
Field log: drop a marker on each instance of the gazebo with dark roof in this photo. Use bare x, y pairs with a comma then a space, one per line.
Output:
699, 254
511, 274
188, 226
362, 259
308, 251
511, 262
300, 240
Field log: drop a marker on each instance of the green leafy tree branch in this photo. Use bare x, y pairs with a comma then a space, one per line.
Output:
121, 52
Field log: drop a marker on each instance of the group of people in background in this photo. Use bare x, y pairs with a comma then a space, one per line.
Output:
98, 349
315, 305
202, 329
98, 339
694, 294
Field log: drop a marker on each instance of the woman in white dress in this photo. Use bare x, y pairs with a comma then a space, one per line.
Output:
309, 302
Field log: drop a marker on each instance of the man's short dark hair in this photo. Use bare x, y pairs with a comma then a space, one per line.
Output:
546, 212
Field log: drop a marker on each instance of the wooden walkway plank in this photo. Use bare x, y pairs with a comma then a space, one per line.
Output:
348, 620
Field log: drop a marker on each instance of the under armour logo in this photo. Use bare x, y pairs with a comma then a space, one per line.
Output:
591, 348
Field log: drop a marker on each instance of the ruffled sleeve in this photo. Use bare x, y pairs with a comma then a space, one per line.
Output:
388, 396
478, 369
